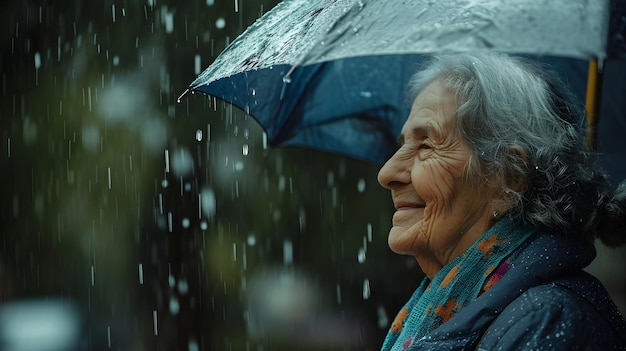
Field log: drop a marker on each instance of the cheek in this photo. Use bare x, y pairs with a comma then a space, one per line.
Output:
434, 182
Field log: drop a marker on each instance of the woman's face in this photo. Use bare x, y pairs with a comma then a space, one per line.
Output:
439, 211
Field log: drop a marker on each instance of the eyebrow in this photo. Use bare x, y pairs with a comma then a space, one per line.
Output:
417, 132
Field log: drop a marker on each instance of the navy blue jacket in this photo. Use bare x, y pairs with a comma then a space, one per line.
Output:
544, 302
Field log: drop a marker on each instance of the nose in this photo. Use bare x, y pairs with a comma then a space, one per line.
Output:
394, 173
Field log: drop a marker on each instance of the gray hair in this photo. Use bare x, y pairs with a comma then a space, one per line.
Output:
507, 104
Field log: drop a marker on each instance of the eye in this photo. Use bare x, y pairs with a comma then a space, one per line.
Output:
423, 146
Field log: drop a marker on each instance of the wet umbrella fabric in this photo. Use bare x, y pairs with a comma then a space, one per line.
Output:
331, 75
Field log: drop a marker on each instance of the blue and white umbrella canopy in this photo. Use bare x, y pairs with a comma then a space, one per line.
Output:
332, 74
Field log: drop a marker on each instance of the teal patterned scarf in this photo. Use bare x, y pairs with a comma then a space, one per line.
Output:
455, 285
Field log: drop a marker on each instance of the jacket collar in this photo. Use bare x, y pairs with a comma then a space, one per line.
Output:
545, 258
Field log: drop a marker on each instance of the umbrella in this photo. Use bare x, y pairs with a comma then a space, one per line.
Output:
331, 74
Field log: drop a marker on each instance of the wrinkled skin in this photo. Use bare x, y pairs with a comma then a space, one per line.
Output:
439, 211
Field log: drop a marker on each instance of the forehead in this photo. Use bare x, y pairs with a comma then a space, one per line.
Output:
433, 113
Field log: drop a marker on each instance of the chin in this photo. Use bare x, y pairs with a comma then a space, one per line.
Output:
400, 241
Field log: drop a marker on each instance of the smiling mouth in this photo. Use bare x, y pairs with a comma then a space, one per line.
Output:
407, 206
407, 214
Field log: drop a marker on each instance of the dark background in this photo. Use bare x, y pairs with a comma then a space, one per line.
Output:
192, 252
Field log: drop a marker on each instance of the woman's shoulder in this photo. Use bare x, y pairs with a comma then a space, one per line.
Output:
572, 313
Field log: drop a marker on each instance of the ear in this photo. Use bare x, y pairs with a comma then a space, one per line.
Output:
516, 177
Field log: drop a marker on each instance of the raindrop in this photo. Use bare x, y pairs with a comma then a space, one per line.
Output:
251, 240
287, 252
37, 60
366, 289
182, 162
366, 94
174, 306
183, 287
116, 60
207, 202
29, 131
302, 219
210, 3
338, 294
39, 324
276, 215
109, 176
220, 23
245, 149
109, 335
171, 281
91, 138
186, 223
330, 178
361, 185
197, 64
170, 225
154, 134
239, 166
383, 319
361, 255
169, 22
141, 274
164, 183
193, 345
287, 79
281, 183
204, 225
154, 322
199, 135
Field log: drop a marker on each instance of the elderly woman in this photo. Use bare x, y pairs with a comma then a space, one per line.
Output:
496, 200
